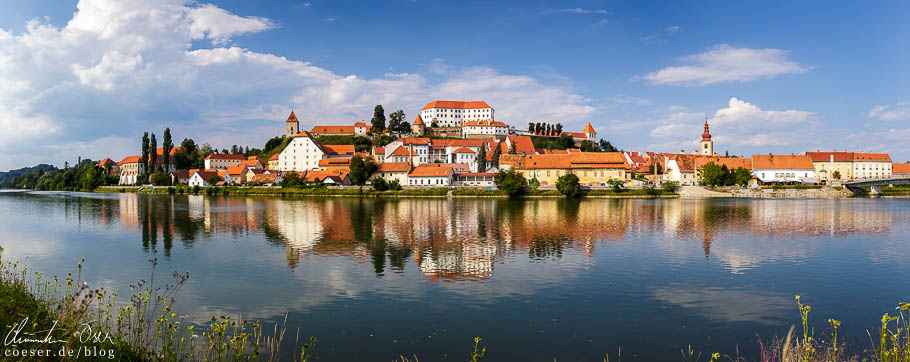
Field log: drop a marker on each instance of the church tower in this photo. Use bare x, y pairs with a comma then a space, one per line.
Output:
292, 126
707, 145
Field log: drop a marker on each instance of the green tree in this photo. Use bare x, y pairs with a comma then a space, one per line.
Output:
167, 145
836, 175
568, 185
160, 179
497, 151
605, 146
741, 176
214, 179
565, 142
144, 158
206, 150
712, 175
378, 121
90, 179
534, 183
588, 146
153, 155
510, 181
397, 123
482, 159
531, 127
361, 170
558, 128
291, 179
512, 149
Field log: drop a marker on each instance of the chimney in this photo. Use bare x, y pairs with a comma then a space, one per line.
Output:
410, 154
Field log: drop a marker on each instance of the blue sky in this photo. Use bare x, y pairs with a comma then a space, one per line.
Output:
88, 77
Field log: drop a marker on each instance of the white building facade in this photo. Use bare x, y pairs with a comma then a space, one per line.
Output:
301, 154
455, 113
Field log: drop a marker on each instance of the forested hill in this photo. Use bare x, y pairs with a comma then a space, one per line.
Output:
22, 171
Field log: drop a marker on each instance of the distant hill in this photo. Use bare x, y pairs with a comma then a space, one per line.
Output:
22, 171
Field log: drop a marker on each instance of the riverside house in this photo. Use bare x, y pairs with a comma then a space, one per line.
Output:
592, 168
221, 162
784, 169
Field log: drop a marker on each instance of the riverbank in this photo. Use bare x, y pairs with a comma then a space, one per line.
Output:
407, 192
766, 192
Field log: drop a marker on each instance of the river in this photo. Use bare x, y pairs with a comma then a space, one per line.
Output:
374, 279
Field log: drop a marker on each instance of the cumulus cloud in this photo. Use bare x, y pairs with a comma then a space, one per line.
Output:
898, 112
740, 125
121, 67
725, 64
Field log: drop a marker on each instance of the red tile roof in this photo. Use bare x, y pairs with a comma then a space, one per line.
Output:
335, 162
129, 159
566, 161
224, 156
378, 151
205, 175
265, 178
826, 156
485, 123
400, 151
430, 171
523, 144
339, 149
463, 150
360, 124
393, 167
332, 129
105, 162
292, 117
414, 140
457, 105
871, 157
782, 162
418, 120
588, 129
274, 157
236, 170
900, 169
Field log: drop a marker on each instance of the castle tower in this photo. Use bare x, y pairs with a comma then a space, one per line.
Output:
418, 127
707, 145
292, 127
590, 132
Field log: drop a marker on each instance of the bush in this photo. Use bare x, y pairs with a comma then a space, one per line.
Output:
534, 183
379, 184
568, 185
670, 186
171, 190
650, 190
617, 185
196, 189
510, 181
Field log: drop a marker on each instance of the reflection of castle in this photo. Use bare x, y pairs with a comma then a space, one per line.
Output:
463, 239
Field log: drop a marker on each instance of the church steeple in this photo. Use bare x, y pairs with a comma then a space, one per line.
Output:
707, 145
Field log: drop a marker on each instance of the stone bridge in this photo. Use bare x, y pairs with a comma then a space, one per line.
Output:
875, 183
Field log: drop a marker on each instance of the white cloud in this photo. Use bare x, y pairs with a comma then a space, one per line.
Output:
898, 112
580, 11
672, 28
121, 67
725, 64
741, 126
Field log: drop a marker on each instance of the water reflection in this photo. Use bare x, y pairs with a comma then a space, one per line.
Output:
464, 239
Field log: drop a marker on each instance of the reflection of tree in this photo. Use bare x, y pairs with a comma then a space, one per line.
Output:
717, 215
547, 248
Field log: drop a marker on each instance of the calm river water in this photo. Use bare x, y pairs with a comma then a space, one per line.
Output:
373, 279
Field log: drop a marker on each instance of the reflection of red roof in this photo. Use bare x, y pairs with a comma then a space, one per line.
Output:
457, 105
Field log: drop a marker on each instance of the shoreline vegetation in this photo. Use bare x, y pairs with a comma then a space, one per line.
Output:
146, 328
